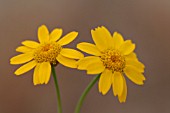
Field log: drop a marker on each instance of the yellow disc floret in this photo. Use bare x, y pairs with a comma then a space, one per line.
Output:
47, 52
113, 60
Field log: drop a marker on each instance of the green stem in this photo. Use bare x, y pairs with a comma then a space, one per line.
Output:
57, 91
80, 102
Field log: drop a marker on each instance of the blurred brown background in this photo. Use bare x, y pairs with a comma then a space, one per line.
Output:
146, 22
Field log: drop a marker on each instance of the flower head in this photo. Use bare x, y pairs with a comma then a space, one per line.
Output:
113, 57
48, 52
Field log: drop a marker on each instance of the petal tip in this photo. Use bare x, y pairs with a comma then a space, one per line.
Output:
92, 31
122, 101
103, 92
35, 84
43, 25
76, 33
16, 73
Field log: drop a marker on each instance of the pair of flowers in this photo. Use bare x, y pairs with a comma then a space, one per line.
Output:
111, 56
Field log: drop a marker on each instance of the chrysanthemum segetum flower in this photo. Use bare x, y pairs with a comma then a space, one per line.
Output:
48, 52
113, 57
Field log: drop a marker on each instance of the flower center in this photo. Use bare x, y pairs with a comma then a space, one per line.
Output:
113, 60
47, 52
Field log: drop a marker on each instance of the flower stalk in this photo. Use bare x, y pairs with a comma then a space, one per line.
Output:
88, 88
59, 106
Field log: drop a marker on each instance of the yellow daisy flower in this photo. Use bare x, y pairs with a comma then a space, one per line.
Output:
113, 57
48, 52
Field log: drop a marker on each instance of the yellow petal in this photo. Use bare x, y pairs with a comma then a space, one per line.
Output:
68, 38
127, 47
95, 68
26, 67
105, 81
122, 98
43, 34
134, 75
24, 49
101, 37
84, 62
106, 32
22, 58
66, 61
56, 34
89, 48
31, 44
133, 69
36, 76
108, 36
136, 65
71, 53
117, 85
117, 40
131, 56
45, 72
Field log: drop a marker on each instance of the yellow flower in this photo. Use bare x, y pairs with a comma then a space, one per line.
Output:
48, 52
113, 57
